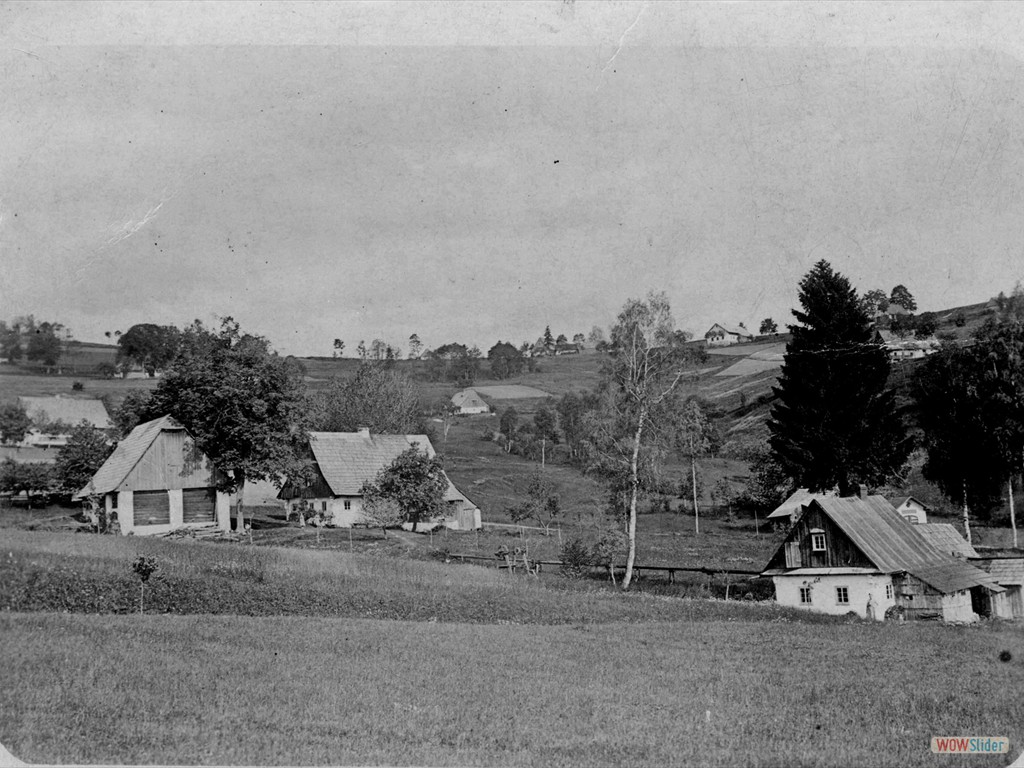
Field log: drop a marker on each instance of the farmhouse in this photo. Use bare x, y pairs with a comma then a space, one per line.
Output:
67, 411
721, 335
899, 348
857, 554
469, 402
156, 481
345, 461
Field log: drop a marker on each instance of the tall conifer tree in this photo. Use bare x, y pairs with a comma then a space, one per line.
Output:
834, 423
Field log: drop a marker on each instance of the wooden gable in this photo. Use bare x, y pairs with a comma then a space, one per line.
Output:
171, 463
798, 551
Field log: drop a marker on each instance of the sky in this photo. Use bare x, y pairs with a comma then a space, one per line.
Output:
477, 171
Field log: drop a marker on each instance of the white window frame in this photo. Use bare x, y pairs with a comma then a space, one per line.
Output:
842, 595
818, 537
805, 592
888, 591
348, 504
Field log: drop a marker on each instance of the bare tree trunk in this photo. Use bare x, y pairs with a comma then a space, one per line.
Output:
1013, 515
239, 512
693, 480
634, 463
967, 516
542, 453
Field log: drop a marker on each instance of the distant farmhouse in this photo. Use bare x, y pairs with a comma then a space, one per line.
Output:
468, 403
906, 349
345, 461
721, 335
913, 510
155, 481
68, 411
858, 555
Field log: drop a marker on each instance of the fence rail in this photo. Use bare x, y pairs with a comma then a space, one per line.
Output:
670, 570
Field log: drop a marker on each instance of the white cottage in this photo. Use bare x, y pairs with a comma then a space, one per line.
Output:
57, 409
723, 335
858, 555
468, 402
915, 512
156, 481
345, 461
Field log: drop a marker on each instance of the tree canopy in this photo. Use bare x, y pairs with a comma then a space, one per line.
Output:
415, 481
505, 359
834, 423
86, 450
377, 397
243, 404
901, 295
14, 423
151, 347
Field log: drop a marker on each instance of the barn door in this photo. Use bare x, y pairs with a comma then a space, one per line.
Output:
151, 508
199, 505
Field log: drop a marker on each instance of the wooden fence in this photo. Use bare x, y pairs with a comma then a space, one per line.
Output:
670, 570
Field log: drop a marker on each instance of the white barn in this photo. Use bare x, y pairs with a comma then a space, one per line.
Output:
345, 461
155, 482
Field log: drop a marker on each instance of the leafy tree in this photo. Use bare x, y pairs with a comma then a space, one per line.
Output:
507, 424
454, 362
382, 512
834, 423
548, 339
561, 339
10, 342
694, 439
378, 349
541, 505
925, 326
133, 410
14, 423
361, 350
607, 549
596, 335
44, 346
768, 326
903, 325
415, 482
242, 403
546, 423
505, 360
415, 347
572, 409
768, 484
579, 339
640, 383
377, 397
151, 347
959, 318
875, 301
900, 295
77, 462
16, 477
339, 348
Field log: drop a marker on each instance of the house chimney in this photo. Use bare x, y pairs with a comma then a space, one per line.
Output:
363, 431
862, 491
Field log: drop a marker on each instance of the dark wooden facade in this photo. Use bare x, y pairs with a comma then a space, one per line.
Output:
798, 552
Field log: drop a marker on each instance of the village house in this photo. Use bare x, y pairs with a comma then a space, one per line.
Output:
721, 335
469, 403
66, 411
913, 510
858, 555
899, 348
156, 481
345, 461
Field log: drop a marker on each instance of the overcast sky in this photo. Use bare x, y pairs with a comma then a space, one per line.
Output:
474, 172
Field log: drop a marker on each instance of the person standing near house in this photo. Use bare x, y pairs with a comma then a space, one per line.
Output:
870, 609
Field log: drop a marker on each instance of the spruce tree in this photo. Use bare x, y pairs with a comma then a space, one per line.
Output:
834, 423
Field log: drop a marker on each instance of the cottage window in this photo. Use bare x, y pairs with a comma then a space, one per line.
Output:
817, 541
843, 595
348, 505
888, 591
323, 506
805, 595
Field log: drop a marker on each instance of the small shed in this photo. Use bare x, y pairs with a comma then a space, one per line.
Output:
344, 461
469, 402
156, 481
1007, 572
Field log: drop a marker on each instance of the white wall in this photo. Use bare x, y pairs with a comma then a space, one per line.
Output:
126, 514
823, 592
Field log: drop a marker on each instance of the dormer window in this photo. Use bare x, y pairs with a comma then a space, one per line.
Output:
817, 540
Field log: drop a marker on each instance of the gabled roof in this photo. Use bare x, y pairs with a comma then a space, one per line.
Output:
468, 398
798, 498
944, 537
901, 500
1004, 570
70, 410
126, 455
735, 330
894, 545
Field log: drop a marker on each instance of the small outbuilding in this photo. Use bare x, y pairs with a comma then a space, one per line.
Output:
1007, 572
469, 403
858, 555
156, 481
344, 461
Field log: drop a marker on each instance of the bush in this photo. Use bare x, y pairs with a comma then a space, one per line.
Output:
77, 386
575, 559
960, 319
106, 370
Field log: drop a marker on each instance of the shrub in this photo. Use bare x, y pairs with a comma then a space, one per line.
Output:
575, 559
960, 319
77, 386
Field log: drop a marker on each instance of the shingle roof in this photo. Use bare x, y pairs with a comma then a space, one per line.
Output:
349, 459
126, 455
894, 545
468, 398
945, 538
800, 497
70, 410
730, 329
1004, 570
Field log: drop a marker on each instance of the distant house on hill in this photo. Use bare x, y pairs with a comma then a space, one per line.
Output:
858, 555
68, 411
155, 481
567, 348
345, 461
906, 348
913, 510
469, 402
719, 335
